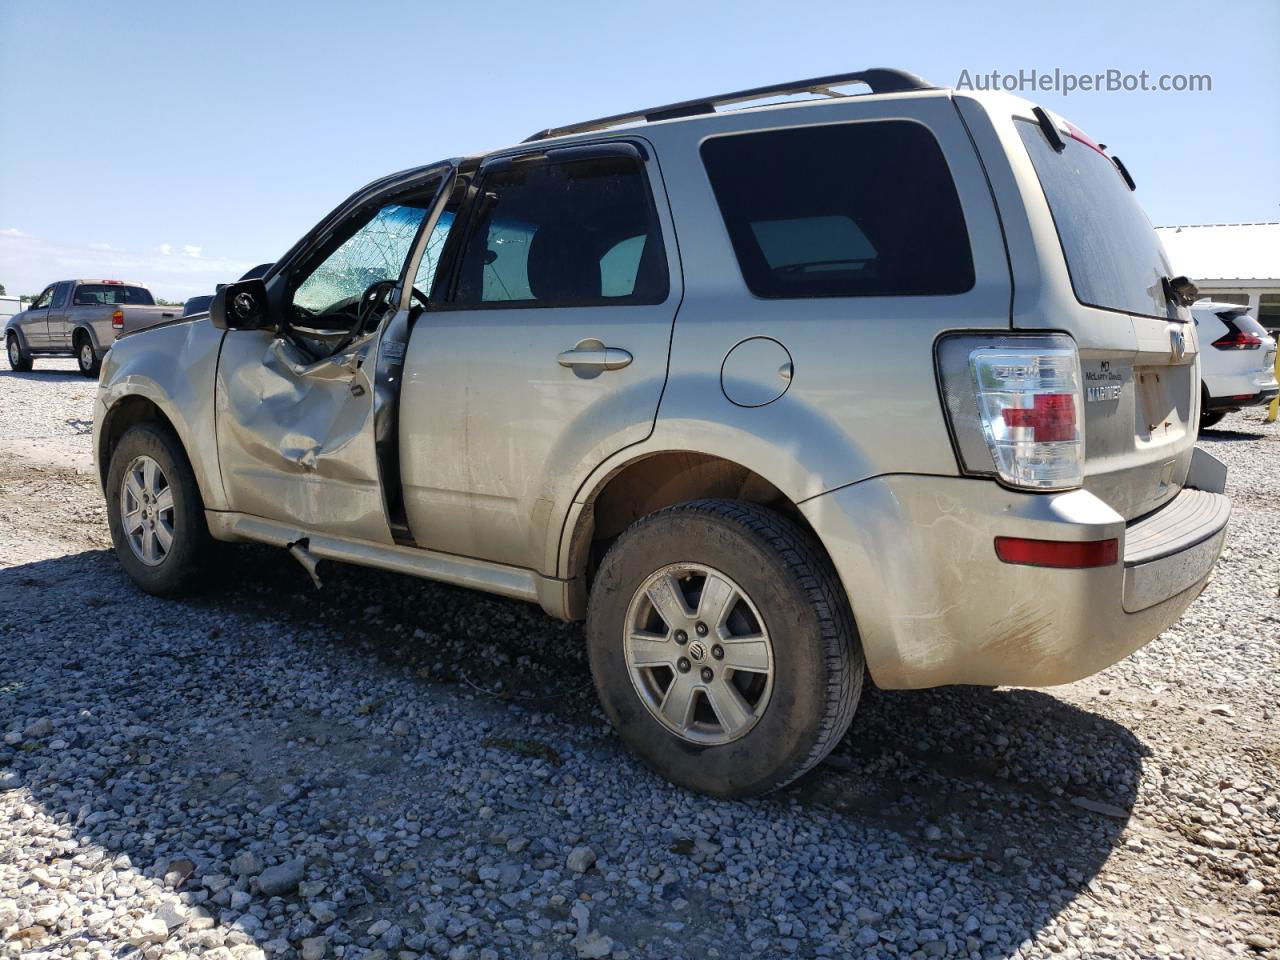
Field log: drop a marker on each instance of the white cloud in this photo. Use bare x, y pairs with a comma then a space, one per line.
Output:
28, 263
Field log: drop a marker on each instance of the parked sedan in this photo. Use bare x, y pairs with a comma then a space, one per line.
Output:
1237, 362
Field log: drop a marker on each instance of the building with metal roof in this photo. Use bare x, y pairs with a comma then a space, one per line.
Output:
1231, 263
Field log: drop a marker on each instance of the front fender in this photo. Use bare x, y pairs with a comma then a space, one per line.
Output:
173, 367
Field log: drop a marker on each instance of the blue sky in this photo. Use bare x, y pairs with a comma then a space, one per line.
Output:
175, 143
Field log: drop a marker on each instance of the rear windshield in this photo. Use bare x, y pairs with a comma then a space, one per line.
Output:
1242, 321
845, 210
97, 294
1113, 254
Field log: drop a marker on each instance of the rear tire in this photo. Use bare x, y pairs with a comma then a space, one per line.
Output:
784, 617
155, 512
87, 358
19, 359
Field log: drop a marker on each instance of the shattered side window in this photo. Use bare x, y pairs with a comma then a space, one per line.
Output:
377, 251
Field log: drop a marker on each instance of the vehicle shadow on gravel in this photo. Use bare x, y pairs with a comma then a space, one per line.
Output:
1007, 800
1219, 433
37, 375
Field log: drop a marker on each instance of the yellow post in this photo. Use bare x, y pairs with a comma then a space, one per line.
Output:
1275, 404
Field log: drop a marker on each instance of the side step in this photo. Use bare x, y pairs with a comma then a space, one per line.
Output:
514, 582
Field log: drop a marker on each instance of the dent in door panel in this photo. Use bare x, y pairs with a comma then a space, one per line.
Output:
300, 447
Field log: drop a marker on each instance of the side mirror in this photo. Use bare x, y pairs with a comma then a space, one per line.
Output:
241, 306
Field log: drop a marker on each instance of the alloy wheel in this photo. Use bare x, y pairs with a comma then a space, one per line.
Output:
699, 654
146, 511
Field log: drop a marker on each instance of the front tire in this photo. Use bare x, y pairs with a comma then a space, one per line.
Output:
19, 359
87, 358
723, 648
155, 512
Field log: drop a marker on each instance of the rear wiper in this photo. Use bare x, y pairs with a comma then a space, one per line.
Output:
1124, 172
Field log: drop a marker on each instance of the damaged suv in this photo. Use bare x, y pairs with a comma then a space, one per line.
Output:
772, 397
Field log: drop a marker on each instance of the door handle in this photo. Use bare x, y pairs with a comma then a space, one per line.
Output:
592, 355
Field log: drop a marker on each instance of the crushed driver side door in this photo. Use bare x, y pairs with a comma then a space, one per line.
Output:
297, 409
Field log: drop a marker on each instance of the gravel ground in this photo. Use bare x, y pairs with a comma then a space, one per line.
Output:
395, 769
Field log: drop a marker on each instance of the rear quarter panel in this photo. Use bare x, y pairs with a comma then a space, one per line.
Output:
174, 367
96, 321
862, 398
140, 318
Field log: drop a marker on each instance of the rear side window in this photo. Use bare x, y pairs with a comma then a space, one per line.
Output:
101, 294
564, 234
1113, 254
846, 210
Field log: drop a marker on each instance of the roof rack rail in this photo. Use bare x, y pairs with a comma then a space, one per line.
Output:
879, 79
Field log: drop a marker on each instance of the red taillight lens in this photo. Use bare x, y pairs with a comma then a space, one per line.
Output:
117, 319
1052, 417
1057, 553
1238, 339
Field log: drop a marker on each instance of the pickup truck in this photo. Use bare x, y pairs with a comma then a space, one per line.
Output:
81, 318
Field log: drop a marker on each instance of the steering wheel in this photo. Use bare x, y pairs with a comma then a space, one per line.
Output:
375, 297
356, 314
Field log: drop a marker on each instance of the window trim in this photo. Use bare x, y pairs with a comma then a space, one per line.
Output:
733, 250
468, 220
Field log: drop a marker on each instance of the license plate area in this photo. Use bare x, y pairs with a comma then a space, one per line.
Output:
1163, 407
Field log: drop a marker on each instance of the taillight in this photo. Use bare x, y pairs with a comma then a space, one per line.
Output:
117, 320
1237, 339
1016, 407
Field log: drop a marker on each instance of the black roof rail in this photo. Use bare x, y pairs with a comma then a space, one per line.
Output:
879, 79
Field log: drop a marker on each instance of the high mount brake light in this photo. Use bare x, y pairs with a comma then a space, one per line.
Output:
1016, 407
1075, 133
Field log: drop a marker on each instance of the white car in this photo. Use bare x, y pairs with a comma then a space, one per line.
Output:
1237, 360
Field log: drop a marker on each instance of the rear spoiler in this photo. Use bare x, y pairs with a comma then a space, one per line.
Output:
1054, 136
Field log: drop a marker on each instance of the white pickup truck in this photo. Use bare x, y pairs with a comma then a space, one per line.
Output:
81, 318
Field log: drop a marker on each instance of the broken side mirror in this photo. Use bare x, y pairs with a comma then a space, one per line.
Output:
242, 306
1181, 291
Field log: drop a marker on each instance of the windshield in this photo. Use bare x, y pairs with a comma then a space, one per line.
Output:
1113, 254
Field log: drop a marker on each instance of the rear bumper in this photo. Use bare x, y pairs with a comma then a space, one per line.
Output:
1262, 396
934, 605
